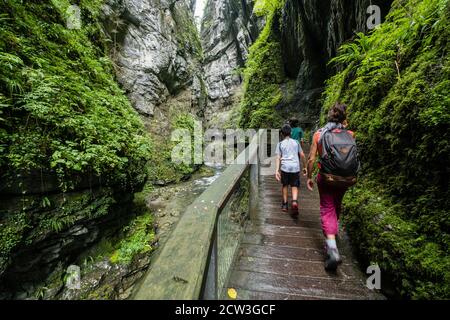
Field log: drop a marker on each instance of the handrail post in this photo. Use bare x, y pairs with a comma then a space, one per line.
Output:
210, 286
254, 184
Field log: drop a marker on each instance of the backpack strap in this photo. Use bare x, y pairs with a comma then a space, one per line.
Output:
330, 126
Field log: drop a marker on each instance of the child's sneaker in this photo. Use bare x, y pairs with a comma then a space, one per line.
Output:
285, 207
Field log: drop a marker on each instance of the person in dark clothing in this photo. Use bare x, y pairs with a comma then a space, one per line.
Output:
297, 132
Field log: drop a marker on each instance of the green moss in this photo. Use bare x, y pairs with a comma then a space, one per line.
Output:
162, 170
11, 233
139, 238
396, 83
135, 237
104, 292
380, 229
263, 74
62, 110
186, 31
72, 208
266, 7
62, 113
23, 227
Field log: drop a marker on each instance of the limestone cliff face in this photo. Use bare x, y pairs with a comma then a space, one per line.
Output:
310, 35
228, 29
156, 49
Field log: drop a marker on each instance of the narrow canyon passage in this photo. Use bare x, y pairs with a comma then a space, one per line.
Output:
96, 95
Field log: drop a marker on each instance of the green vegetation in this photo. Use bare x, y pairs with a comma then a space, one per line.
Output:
263, 73
186, 31
162, 170
136, 237
61, 109
122, 252
382, 231
396, 82
11, 234
61, 114
266, 7
140, 236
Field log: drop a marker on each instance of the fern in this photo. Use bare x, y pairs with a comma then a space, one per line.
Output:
354, 52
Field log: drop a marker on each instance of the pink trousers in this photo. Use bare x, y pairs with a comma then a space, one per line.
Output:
330, 206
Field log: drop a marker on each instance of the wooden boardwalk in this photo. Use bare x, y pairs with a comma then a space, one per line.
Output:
281, 256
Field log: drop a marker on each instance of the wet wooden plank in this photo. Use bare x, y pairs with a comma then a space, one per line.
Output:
301, 216
295, 268
243, 294
288, 253
273, 230
304, 285
283, 241
293, 223
275, 205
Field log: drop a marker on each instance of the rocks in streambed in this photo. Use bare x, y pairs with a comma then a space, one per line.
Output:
156, 205
105, 280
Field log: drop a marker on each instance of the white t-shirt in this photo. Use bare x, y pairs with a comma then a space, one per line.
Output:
289, 150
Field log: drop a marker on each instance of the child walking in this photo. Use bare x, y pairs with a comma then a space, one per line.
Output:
289, 152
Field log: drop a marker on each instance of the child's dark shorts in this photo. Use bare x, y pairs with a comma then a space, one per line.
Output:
290, 179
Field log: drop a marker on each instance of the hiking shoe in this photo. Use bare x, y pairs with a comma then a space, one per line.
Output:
294, 205
333, 259
284, 207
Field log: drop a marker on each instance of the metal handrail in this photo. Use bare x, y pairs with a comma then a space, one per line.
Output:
180, 270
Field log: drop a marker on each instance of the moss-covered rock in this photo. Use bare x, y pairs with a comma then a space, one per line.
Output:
62, 109
383, 233
72, 149
396, 82
287, 66
263, 75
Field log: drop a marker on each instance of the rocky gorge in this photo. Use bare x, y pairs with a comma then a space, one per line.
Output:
85, 137
311, 33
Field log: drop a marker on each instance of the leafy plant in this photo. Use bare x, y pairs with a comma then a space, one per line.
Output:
65, 112
139, 238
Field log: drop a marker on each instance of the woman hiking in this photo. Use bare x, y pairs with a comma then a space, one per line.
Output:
338, 165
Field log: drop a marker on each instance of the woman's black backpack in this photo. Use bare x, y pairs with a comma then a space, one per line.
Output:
339, 161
